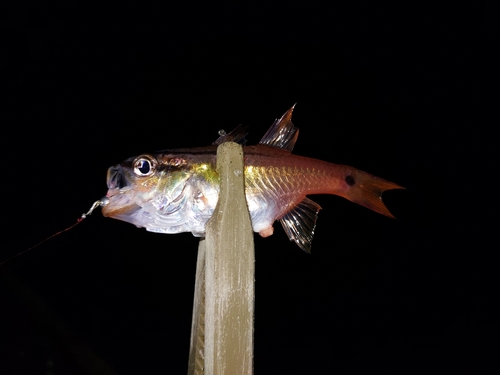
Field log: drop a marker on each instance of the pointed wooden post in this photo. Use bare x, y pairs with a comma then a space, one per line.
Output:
196, 363
223, 312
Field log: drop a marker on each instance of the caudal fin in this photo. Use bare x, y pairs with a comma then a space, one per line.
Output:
366, 190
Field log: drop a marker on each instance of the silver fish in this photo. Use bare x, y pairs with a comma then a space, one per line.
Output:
176, 190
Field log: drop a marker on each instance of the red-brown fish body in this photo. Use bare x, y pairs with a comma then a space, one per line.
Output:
297, 176
176, 190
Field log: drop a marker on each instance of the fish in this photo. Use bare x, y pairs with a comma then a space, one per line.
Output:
176, 190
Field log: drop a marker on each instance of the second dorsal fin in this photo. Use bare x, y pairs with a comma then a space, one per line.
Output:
282, 133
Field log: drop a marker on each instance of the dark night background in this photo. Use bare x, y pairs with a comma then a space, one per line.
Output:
404, 92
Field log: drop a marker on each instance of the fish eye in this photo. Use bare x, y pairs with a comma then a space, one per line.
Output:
144, 166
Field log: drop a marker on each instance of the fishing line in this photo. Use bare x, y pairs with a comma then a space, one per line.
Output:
99, 203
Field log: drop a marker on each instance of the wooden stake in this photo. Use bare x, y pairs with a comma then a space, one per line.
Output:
222, 329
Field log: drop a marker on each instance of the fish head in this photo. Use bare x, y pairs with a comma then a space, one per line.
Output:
146, 191
129, 186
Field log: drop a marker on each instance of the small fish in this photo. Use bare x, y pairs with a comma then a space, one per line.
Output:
176, 190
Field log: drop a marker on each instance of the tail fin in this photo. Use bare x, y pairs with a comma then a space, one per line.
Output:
366, 190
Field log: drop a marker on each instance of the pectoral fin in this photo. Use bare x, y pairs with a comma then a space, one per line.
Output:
300, 222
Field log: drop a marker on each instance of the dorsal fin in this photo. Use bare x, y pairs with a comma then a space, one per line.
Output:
282, 134
300, 222
236, 135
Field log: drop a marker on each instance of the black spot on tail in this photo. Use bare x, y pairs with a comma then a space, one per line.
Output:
350, 180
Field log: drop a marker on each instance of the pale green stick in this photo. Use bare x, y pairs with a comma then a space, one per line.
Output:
223, 312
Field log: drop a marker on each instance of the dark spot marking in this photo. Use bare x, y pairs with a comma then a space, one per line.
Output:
350, 180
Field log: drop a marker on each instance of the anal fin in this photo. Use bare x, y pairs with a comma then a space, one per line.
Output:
300, 222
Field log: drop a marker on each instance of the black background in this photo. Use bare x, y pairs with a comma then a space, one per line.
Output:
405, 92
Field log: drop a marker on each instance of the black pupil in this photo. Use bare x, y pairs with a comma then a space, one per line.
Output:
144, 167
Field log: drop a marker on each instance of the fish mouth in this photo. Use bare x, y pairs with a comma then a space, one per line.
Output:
121, 204
116, 178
